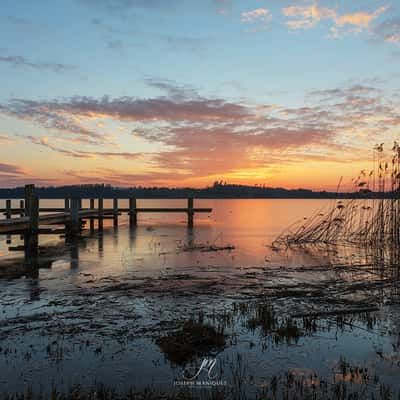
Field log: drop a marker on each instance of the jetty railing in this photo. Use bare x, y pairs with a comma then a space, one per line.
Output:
28, 219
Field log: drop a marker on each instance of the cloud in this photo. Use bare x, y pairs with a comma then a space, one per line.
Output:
360, 20
10, 170
52, 119
258, 15
196, 138
58, 113
220, 150
189, 43
308, 16
12, 19
22, 62
6, 139
44, 142
123, 8
172, 90
117, 178
13, 176
346, 91
388, 31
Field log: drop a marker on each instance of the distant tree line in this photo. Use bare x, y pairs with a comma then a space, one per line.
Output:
218, 190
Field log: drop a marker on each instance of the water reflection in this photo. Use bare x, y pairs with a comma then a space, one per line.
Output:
99, 302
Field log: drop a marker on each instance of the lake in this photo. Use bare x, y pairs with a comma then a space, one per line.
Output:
142, 308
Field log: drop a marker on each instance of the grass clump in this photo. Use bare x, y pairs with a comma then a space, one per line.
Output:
193, 339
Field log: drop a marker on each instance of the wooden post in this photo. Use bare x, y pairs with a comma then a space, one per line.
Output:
100, 215
132, 211
91, 218
31, 239
190, 212
8, 216
8, 207
22, 207
115, 212
66, 204
74, 214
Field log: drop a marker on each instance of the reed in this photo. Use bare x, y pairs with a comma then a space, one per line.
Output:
370, 221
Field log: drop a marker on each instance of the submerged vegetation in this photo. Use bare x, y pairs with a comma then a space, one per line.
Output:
370, 222
192, 339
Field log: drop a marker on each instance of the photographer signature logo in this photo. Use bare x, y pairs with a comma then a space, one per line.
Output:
202, 376
207, 366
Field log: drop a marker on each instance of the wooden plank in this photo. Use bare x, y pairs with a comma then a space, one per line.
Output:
16, 248
20, 224
120, 209
167, 210
51, 231
12, 211
15, 224
61, 216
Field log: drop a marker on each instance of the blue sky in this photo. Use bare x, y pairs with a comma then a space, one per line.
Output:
185, 92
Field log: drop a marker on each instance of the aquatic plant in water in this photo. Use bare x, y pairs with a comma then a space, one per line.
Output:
371, 219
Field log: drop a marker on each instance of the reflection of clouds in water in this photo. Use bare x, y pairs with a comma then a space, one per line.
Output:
123, 284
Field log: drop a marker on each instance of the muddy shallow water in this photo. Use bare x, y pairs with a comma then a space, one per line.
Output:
101, 308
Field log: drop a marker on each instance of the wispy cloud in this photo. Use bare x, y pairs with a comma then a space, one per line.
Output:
257, 15
173, 90
116, 177
198, 137
388, 31
121, 5
12, 175
45, 142
10, 170
22, 62
52, 119
6, 139
308, 16
124, 108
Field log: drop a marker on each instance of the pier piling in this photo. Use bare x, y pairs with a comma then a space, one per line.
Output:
31, 239
100, 214
91, 220
132, 211
22, 208
74, 215
8, 207
190, 212
115, 212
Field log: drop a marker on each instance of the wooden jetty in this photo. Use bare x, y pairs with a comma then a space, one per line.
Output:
28, 220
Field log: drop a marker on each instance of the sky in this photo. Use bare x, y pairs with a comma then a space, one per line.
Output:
288, 93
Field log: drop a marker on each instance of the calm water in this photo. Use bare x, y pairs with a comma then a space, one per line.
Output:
247, 224
96, 306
